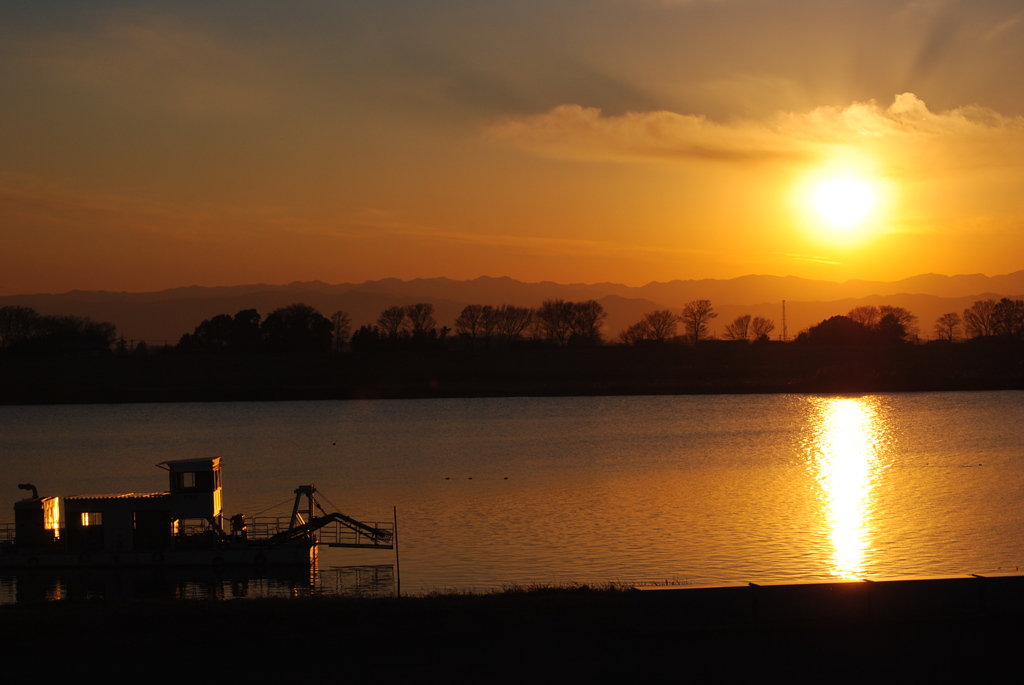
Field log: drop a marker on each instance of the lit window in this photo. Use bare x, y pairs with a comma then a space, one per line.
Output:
92, 518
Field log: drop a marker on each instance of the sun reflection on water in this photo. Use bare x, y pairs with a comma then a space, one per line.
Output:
844, 455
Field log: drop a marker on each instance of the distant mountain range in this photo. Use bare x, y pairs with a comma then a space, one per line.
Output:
167, 314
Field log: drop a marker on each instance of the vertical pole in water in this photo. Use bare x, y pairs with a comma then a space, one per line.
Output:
398, 566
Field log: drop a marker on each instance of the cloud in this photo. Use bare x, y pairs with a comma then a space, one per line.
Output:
582, 132
811, 258
902, 136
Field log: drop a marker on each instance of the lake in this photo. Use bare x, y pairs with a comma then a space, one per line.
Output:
503, 491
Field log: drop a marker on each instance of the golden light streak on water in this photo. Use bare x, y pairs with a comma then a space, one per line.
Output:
845, 457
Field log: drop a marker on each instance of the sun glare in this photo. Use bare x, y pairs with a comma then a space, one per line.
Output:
843, 202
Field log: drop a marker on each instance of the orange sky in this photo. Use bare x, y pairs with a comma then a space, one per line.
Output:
161, 144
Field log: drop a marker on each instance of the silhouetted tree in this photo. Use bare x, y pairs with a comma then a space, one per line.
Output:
422, 333
469, 322
948, 326
901, 316
297, 328
866, 315
874, 319
1008, 318
477, 321
342, 325
214, 334
761, 328
17, 324
366, 339
511, 321
695, 318
224, 333
246, 334
979, 319
657, 326
421, 318
586, 321
554, 320
392, 321
837, 330
739, 329
890, 330
61, 333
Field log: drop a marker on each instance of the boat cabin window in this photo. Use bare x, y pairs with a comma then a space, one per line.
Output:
92, 518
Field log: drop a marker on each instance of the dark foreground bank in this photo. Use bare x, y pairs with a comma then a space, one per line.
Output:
712, 367
547, 635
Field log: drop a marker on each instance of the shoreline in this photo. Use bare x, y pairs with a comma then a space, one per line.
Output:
536, 634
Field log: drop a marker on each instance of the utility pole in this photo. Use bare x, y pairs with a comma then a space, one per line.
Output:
784, 336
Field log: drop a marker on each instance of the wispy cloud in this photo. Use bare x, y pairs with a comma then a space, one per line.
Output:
811, 258
904, 134
377, 222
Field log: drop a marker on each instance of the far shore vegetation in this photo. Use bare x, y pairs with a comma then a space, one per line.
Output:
558, 348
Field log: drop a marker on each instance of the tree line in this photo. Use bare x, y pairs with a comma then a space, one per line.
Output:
556, 323
984, 319
295, 328
23, 329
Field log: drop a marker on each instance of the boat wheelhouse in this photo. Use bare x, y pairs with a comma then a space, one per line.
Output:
184, 526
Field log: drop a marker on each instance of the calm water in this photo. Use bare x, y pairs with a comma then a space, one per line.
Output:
630, 489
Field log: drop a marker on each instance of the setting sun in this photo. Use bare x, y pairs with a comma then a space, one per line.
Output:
844, 202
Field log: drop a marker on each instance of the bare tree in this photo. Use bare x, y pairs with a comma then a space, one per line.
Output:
586, 320
1009, 318
761, 328
866, 315
872, 317
17, 323
342, 324
511, 321
392, 321
476, 321
554, 320
659, 326
421, 318
979, 319
947, 326
695, 317
633, 334
739, 329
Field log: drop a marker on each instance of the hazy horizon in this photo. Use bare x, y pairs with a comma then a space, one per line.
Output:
487, 277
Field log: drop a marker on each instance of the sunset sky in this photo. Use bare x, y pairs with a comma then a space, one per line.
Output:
149, 145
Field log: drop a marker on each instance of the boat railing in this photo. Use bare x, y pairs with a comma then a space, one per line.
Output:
333, 534
263, 527
6, 532
337, 534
